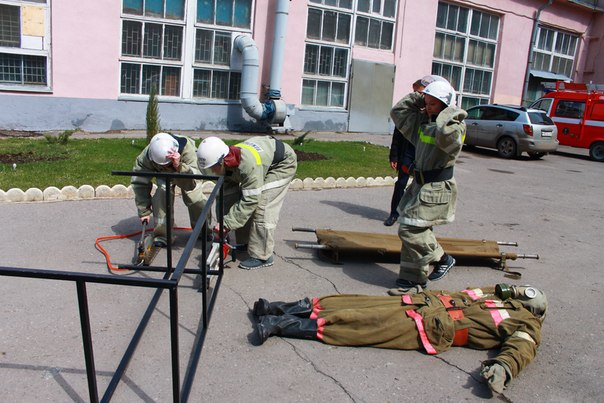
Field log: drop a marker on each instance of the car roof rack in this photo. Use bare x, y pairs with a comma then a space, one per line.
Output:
521, 108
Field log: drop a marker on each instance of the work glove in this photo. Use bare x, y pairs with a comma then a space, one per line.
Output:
495, 375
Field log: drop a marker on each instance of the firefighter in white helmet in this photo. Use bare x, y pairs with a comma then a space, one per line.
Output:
167, 153
257, 174
434, 125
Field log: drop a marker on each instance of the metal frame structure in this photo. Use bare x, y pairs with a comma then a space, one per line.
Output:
169, 282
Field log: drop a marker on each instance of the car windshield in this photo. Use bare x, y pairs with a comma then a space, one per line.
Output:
540, 118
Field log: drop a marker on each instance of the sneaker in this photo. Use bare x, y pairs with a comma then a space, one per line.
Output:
254, 263
442, 267
390, 220
406, 287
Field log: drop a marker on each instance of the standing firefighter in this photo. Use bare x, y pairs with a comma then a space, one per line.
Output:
504, 317
167, 153
257, 174
434, 125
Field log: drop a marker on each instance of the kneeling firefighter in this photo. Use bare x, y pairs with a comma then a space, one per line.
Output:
257, 174
167, 153
507, 317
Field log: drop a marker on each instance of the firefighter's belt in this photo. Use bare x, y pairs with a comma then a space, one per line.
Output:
461, 335
433, 175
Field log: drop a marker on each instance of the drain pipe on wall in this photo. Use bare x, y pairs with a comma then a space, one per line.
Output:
274, 110
531, 55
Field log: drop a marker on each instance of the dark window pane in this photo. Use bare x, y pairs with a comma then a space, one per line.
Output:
235, 86
333, 3
308, 92
130, 78
243, 13
347, 4
222, 48
10, 69
224, 12
311, 59
10, 26
441, 16
363, 5
374, 33
171, 81
34, 70
152, 41
313, 25
462, 20
377, 5
452, 18
201, 83
362, 28
203, 46
133, 7
329, 26
220, 84
343, 35
175, 9
337, 94
151, 76
389, 8
205, 11
325, 61
322, 93
386, 41
131, 38
173, 42
340, 62
154, 8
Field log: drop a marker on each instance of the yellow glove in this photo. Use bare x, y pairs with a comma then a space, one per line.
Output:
495, 375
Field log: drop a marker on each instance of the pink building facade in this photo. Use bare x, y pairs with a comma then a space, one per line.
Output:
334, 65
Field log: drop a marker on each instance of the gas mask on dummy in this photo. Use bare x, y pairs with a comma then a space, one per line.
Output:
530, 297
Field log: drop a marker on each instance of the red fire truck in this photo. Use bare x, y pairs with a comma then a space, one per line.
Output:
578, 111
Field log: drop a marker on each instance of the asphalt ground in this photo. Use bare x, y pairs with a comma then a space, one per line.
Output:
552, 207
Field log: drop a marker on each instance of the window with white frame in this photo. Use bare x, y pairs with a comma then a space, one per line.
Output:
160, 48
554, 51
327, 53
465, 47
374, 27
24, 50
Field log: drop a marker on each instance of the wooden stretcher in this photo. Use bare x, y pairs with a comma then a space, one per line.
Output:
337, 243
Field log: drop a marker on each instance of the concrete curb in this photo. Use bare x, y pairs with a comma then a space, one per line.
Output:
87, 192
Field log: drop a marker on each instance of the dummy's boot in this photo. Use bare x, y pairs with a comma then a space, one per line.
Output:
301, 308
286, 326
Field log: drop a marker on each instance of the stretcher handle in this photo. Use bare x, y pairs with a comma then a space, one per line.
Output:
310, 246
300, 229
514, 256
504, 243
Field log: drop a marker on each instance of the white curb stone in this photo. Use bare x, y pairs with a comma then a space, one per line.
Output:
52, 193
119, 191
103, 191
296, 184
34, 194
15, 195
69, 193
86, 192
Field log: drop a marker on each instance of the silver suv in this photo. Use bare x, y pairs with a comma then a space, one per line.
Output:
511, 130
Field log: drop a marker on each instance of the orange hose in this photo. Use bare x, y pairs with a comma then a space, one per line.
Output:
98, 241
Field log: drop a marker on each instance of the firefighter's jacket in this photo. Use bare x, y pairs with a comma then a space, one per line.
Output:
142, 185
259, 169
433, 321
437, 146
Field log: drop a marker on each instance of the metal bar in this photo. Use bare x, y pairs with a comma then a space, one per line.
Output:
310, 246
87, 341
300, 229
503, 243
169, 214
174, 344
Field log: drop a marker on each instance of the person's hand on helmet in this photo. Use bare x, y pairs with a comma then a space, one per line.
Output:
174, 156
495, 375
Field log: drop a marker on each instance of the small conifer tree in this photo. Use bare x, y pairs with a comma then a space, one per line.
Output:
153, 125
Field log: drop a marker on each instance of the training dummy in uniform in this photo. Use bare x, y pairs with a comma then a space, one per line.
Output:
167, 153
434, 125
257, 174
504, 317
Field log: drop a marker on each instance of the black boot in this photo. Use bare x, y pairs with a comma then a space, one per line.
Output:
286, 326
301, 308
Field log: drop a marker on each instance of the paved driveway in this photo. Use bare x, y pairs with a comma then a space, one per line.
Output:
552, 207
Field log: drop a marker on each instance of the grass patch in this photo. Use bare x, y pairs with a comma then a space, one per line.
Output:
80, 162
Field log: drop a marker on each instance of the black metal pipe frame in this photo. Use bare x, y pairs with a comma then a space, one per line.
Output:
169, 281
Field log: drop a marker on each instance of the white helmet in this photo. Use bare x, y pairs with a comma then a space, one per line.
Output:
211, 151
425, 80
442, 91
161, 145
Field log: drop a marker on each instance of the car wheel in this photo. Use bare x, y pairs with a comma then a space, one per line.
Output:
536, 156
596, 151
506, 147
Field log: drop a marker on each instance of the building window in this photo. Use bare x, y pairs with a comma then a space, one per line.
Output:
327, 53
374, 26
213, 48
555, 51
465, 47
160, 48
230, 13
24, 51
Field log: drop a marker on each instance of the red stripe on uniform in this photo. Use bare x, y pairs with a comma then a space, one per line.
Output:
320, 328
419, 322
316, 307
